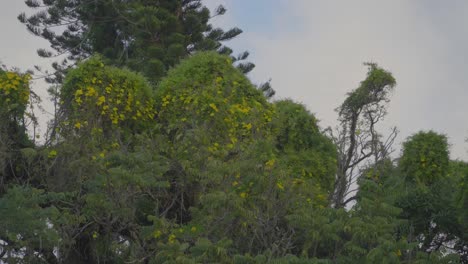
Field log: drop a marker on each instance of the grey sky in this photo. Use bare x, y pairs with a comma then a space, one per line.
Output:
314, 49
317, 58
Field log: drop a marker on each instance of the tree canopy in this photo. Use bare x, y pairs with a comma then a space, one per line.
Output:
162, 150
146, 36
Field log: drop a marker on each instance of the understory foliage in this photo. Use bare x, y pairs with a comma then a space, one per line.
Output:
161, 150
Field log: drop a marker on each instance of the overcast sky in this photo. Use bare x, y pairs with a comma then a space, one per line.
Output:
314, 49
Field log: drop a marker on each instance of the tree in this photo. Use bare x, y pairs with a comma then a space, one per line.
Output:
127, 168
303, 147
462, 204
357, 139
427, 198
14, 100
146, 36
425, 158
459, 178
26, 233
210, 112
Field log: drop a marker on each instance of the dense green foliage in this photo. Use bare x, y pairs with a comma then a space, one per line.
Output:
146, 36
200, 167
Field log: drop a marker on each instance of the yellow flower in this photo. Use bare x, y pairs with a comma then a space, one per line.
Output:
270, 163
213, 106
101, 100
193, 229
90, 92
280, 185
157, 234
10, 75
171, 238
78, 125
243, 195
52, 154
247, 126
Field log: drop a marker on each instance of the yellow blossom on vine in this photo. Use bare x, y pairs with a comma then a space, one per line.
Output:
171, 239
101, 100
247, 126
280, 185
52, 154
213, 106
157, 234
270, 163
90, 92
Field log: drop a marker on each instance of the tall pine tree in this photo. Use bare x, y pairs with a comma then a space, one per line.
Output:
146, 36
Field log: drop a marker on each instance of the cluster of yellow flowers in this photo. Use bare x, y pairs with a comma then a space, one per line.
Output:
237, 114
14, 89
117, 102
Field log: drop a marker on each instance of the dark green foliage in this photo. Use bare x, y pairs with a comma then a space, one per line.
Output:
373, 90
302, 146
425, 158
26, 221
428, 199
146, 36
